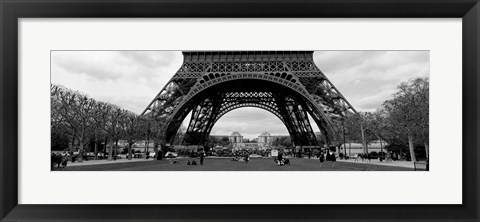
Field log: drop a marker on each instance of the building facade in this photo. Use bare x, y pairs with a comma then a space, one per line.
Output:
265, 138
264, 141
235, 138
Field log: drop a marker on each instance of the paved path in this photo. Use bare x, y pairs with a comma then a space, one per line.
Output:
220, 164
96, 162
406, 164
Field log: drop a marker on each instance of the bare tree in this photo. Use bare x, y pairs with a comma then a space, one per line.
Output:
84, 115
113, 128
102, 110
146, 130
157, 128
359, 129
56, 116
131, 125
408, 111
77, 111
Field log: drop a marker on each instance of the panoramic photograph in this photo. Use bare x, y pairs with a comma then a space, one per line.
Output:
239, 110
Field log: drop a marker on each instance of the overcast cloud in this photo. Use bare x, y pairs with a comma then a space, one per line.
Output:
130, 79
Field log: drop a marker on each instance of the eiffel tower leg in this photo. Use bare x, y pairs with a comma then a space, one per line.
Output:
321, 125
289, 122
198, 122
296, 120
202, 121
308, 136
211, 120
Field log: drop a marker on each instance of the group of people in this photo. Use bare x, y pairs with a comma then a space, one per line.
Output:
194, 162
392, 156
328, 155
191, 163
363, 157
243, 158
280, 161
57, 159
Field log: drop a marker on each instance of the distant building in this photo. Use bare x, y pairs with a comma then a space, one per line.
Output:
262, 142
265, 138
235, 138
219, 136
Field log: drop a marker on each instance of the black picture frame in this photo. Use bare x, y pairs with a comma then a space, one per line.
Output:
11, 11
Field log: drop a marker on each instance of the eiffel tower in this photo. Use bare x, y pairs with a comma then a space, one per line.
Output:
288, 84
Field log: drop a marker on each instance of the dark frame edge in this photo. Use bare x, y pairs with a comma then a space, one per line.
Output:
471, 120
8, 112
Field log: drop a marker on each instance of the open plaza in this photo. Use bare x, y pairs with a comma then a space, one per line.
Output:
244, 111
227, 164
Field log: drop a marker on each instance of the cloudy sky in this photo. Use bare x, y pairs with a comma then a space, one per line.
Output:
130, 79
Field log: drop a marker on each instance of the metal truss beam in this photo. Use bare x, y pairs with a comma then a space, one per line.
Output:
206, 82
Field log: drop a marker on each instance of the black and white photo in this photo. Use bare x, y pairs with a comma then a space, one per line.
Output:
240, 110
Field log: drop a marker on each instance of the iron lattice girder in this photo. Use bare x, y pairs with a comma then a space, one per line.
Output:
295, 120
200, 121
294, 116
220, 82
294, 70
236, 100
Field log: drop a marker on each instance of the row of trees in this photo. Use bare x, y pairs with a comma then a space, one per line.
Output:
402, 121
77, 120
216, 141
284, 142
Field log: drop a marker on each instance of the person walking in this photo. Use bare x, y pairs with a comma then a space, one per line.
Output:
159, 155
201, 158
321, 158
331, 157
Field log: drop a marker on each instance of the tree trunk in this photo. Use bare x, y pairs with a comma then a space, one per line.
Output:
146, 145
381, 148
95, 151
80, 152
155, 147
364, 143
129, 151
95, 147
80, 140
72, 144
110, 152
104, 148
427, 150
115, 152
410, 146
349, 148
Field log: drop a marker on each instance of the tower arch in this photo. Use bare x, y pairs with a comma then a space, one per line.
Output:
285, 83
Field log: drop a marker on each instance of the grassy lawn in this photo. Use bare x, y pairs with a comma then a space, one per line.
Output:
265, 164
